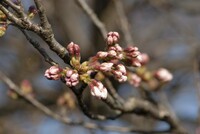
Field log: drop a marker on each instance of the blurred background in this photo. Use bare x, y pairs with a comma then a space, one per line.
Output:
168, 30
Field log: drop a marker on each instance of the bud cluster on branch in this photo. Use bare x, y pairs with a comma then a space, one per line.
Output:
113, 62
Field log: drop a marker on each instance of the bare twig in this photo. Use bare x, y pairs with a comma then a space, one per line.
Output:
124, 21
93, 17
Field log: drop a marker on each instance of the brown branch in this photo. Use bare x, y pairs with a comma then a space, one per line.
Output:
93, 17
44, 21
41, 50
67, 120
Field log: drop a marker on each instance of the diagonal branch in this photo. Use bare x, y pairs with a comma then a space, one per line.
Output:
93, 17
124, 21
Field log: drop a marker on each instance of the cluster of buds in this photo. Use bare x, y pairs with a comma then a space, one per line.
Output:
71, 78
112, 38
111, 62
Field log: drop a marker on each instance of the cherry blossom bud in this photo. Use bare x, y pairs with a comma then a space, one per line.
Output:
53, 73
120, 73
74, 50
144, 58
134, 79
71, 78
136, 62
106, 66
112, 38
118, 48
102, 54
131, 52
98, 90
112, 53
163, 75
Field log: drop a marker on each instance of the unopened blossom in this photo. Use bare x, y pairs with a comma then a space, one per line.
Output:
134, 79
71, 78
131, 52
120, 73
136, 62
112, 53
98, 90
163, 75
144, 58
102, 54
106, 66
112, 38
115, 51
53, 73
74, 50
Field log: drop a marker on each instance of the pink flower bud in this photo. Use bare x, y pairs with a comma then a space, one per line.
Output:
102, 54
71, 78
53, 73
73, 49
118, 48
134, 79
105, 67
144, 58
121, 68
136, 62
112, 38
112, 53
163, 75
131, 52
120, 73
98, 90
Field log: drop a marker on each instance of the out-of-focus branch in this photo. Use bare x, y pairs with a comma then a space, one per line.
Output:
37, 46
67, 120
93, 17
124, 21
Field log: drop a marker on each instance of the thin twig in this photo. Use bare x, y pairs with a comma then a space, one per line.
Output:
124, 21
93, 17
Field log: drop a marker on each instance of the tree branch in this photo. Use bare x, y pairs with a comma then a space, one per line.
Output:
93, 17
